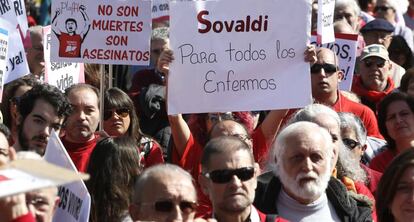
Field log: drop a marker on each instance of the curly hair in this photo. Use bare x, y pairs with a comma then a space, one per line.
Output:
48, 93
9, 93
382, 114
114, 166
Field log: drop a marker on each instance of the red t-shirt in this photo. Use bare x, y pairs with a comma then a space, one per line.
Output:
191, 161
25, 218
80, 152
367, 116
69, 45
382, 160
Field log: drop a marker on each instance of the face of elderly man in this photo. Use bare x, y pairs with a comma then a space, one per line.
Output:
166, 196
347, 13
304, 165
42, 203
374, 73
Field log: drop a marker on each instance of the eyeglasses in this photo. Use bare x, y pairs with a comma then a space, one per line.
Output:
328, 68
379, 62
215, 117
350, 143
225, 176
382, 8
122, 112
167, 206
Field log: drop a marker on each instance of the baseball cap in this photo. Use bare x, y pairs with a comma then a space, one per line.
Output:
378, 25
374, 50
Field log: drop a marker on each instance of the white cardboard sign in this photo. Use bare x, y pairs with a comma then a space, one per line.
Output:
75, 201
230, 56
4, 42
325, 28
345, 47
60, 74
160, 10
106, 31
17, 65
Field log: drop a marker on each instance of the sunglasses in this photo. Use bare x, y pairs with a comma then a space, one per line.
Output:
216, 117
382, 8
167, 206
379, 62
328, 68
122, 112
350, 143
225, 176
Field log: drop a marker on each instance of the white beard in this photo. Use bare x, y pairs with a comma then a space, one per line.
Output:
310, 189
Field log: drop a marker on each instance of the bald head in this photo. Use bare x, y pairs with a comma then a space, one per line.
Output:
327, 55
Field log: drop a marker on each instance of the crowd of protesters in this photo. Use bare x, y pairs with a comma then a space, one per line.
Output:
349, 156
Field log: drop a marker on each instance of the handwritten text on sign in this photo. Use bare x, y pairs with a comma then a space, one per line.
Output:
114, 32
345, 47
238, 59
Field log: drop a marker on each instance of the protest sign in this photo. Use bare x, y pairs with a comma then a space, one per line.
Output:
14, 11
60, 74
160, 10
25, 175
75, 201
230, 56
106, 32
325, 28
4, 39
17, 65
345, 47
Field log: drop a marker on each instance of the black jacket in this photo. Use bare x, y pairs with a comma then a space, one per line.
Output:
347, 208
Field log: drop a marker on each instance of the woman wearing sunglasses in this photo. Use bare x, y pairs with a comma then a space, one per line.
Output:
120, 119
396, 124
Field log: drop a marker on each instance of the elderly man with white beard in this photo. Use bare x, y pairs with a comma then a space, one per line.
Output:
301, 187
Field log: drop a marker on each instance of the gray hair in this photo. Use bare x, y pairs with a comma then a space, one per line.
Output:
353, 3
279, 146
310, 112
154, 171
349, 166
350, 121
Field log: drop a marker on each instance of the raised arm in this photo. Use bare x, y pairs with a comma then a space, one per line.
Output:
86, 20
271, 124
179, 128
54, 23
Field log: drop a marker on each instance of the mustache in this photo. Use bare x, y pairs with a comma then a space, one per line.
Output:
309, 175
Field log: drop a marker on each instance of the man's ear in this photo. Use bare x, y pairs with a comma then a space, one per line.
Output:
203, 181
341, 75
364, 147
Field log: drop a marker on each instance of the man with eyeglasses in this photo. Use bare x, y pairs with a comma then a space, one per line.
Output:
40, 110
325, 78
301, 185
387, 9
164, 193
373, 82
380, 31
229, 178
354, 137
